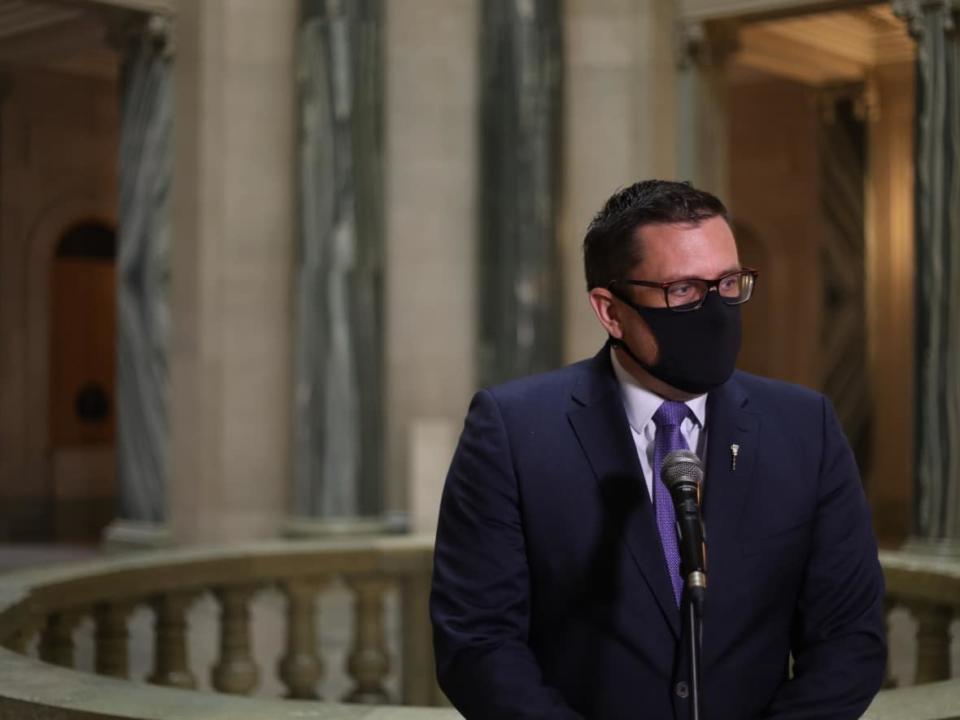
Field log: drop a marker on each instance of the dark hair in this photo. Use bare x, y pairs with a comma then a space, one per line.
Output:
610, 247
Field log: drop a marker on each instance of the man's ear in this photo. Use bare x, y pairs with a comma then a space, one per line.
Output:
607, 311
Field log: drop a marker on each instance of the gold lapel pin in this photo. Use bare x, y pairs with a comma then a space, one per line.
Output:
734, 451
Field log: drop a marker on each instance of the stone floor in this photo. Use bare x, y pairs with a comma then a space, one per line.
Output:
335, 628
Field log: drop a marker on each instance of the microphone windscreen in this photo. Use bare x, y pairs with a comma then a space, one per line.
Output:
681, 467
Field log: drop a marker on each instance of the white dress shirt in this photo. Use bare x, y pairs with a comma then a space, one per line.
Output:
641, 404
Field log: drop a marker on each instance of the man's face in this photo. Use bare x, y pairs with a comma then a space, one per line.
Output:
669, 252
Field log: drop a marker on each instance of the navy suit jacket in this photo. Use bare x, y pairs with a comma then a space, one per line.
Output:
550, 594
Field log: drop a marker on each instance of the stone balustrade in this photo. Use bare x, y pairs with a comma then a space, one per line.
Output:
47, 605
929, 588
43, 609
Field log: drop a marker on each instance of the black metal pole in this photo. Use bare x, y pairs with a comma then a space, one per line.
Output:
694, 634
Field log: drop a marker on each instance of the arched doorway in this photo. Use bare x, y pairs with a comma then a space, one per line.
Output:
82, 405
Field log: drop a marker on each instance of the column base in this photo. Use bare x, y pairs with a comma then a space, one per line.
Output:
126, 535
317, 527
945, 548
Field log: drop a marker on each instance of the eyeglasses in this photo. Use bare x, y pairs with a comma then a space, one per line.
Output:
688, 294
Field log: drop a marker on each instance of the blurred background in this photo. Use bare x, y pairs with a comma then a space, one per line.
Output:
256, 256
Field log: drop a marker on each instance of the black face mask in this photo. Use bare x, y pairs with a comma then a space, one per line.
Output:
697, 349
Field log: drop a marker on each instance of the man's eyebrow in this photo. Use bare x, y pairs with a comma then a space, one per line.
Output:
732, 269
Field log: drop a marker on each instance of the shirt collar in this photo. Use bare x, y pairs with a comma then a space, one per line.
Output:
641, 404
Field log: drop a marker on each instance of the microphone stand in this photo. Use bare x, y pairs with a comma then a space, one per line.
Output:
682, 473
695, 637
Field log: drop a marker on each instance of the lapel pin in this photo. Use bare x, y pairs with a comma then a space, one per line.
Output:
734, 451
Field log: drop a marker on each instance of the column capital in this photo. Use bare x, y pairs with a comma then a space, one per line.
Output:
705, 43
123, 32
911, 11
865, 99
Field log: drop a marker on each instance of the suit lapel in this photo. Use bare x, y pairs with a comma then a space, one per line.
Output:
726, 489
727, 484
600, 423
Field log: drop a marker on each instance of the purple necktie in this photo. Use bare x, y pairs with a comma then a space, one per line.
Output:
668, 439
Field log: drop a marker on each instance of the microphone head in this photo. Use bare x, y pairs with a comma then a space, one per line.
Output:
681, 467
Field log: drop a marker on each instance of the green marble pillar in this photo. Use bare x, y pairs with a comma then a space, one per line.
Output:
520, 299
338, 445
143, 274
936, 517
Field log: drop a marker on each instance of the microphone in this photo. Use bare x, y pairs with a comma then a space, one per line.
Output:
682, 474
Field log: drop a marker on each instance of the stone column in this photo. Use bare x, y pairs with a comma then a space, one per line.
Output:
890, 300
143, 280
620, 125
520, 308
231, 265
703, 49
338, 471
936, 521
431, 176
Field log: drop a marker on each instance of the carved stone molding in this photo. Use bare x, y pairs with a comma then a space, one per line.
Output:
123, 30
705, 44
912, 11
864, 98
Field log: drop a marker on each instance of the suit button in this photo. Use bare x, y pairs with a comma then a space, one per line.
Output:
682, 689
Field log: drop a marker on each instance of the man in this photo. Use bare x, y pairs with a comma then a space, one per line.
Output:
556, 590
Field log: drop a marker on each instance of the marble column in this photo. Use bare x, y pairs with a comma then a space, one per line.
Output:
339, 343
520, 304
936, 519
843, 352
143, 277
890, 301
431, 154
620, 125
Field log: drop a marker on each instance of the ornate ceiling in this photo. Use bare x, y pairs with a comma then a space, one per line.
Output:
825, 48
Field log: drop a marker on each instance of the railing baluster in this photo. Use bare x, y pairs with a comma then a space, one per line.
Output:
236, 672
171, 666
29, 627
889, 605
301, 667
56, 642
18, 642
933, 641
112, 636
419, 679
368, 663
